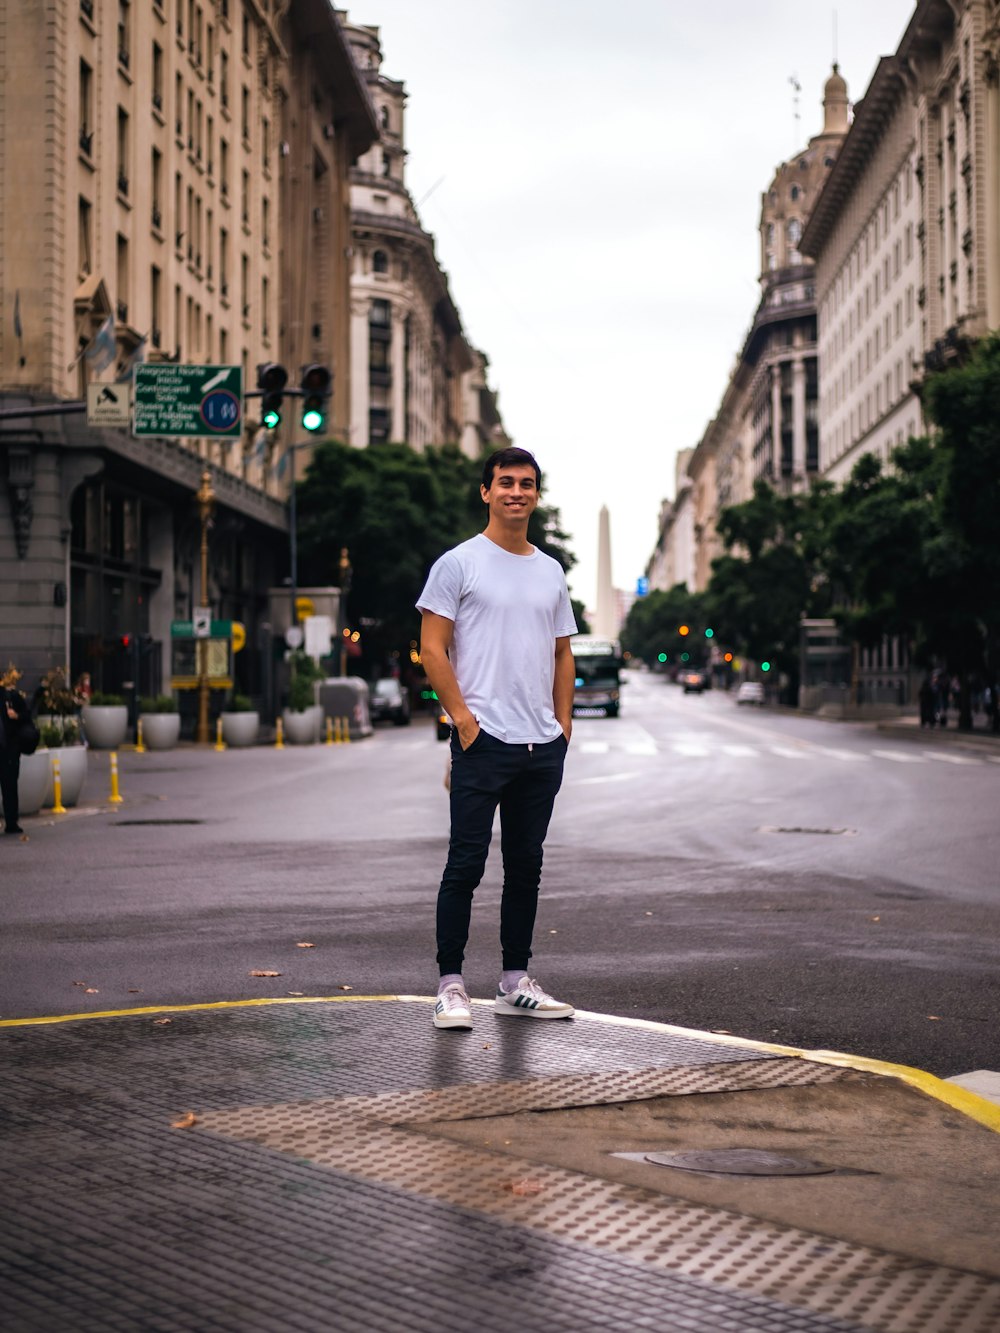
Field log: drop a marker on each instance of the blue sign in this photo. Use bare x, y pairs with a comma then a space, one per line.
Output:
220, 410
641, 587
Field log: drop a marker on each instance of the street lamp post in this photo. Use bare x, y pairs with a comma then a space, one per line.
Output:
206, 506
345, 587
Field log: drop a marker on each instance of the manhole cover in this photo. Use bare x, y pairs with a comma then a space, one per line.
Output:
739, 1162
136, 823
769, 828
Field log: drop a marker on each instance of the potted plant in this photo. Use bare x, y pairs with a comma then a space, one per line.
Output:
303, 716
161, 722
61, 735
105, 721
240, 722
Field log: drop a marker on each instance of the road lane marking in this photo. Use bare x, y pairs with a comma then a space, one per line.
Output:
594, 747
691, 751
784, 753
642, 747
848, 756
607, 777
949, 758
740, 751
899, 756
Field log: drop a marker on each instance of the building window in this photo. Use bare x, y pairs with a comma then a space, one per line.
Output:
86, 110
245, 113
245, 39
123, 151
156, 180
224, 168
380, 262
245, 198
155, 305
84, 236
124, 31
157, 76
379, 420
223, 262
380, 314
121, 279
224, 78
795, 192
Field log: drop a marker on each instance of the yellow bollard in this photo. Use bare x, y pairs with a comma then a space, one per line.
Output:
329, 731
220, 744
336, 730
279, 738
115, 797
57, 806
139, 747
346, 729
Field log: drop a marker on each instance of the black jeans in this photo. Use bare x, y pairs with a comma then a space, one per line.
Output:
523, 780
10, 767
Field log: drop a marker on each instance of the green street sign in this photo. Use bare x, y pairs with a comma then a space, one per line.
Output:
188, 401
184, 629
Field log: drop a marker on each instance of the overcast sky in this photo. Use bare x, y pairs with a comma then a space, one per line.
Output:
592, 173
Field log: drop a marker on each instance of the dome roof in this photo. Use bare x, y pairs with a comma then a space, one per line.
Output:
836, 85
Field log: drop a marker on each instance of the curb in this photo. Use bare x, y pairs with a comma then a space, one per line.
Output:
959, 1099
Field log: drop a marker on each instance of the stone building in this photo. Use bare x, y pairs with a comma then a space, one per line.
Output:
767, 424
164, 167
672, 561
415, 378
906, 241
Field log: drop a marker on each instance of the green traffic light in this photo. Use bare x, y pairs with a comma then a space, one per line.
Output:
685, 657
272, 419
710, 634
661, 657
765, 666
312, 419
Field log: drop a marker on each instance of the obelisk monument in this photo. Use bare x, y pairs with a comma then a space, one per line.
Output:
606, 617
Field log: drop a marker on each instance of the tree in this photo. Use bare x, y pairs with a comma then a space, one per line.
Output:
653, 626
772, 575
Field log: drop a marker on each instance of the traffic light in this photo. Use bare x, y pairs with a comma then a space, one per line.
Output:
683, 630
710, 634
271, 381
661, 657
315, 386
765, 666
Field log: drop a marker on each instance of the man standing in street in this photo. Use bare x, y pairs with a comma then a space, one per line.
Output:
13, 712
495, 644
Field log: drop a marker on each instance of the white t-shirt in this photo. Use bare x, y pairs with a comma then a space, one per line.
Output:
508, 611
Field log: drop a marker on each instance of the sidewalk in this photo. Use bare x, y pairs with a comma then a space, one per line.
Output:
347, 1167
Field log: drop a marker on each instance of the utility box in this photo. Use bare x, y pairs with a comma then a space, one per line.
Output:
309, 602
346, 696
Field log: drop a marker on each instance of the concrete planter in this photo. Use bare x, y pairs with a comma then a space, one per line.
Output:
72, 774
35, 773
302, 728
105, 725
160, 731
240, 729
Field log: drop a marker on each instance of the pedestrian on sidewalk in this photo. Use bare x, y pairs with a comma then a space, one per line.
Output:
495, 644
13, 716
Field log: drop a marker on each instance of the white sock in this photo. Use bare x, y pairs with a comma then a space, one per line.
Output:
450, 979
509, 980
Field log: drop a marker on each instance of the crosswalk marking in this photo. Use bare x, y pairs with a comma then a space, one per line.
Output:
848, 756
899, 757
691, 750
593, 747
784, 753
739, 751
642, 747
949, 758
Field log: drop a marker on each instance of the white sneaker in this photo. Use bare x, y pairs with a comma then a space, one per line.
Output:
453, 1009
528, 1000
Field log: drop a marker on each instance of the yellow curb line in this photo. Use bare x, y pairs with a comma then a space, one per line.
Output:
959, 1099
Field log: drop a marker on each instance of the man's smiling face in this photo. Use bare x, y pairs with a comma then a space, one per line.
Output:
513, 495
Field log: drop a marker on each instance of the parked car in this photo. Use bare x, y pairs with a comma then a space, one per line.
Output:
694, 681
389, 701
750, 692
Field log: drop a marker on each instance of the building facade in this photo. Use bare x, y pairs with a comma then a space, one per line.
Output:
767, 424
415, 378
155, 163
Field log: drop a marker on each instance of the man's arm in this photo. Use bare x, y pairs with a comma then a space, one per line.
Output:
435, 640
563, 687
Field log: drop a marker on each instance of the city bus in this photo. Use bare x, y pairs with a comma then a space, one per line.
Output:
598, 665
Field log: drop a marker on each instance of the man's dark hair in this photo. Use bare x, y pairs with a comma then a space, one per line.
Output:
510, 457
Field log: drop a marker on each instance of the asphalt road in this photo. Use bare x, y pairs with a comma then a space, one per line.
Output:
824, 885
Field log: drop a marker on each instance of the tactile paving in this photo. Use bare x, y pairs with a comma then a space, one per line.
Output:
311, 1196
